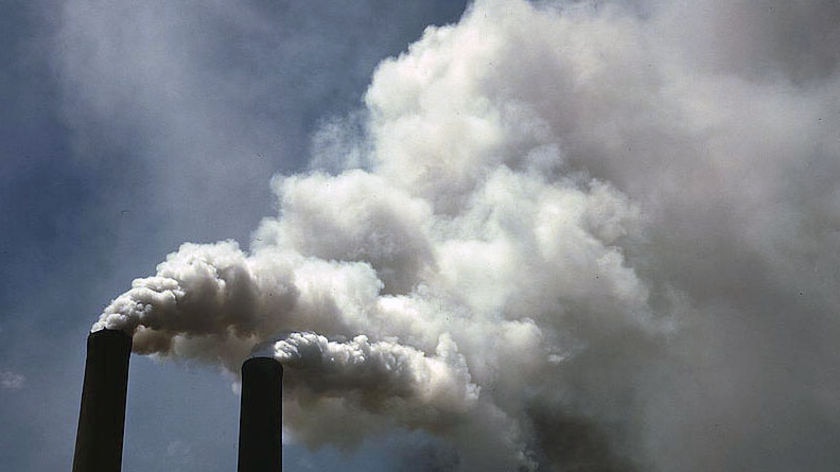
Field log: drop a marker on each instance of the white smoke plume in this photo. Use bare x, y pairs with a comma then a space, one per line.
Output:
583, 236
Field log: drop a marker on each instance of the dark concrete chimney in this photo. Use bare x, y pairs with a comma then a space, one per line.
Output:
260, 417
99, 438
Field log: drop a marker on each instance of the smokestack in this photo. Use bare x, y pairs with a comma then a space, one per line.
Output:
99, 438
260, 419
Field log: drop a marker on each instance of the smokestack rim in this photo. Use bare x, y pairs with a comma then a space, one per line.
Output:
262, 362
116, 334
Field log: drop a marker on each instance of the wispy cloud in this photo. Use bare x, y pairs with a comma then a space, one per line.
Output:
10, 380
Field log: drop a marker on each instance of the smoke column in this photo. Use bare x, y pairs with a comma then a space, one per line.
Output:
582, 235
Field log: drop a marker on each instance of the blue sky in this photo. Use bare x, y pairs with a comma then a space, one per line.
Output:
95, 190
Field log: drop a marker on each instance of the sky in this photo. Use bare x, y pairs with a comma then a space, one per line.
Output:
510, 235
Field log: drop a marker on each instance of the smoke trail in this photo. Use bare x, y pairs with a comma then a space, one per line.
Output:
586, 236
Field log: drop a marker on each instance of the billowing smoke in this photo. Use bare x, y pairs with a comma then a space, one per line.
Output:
581, 236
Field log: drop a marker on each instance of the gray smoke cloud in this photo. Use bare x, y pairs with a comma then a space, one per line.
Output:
583, 236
